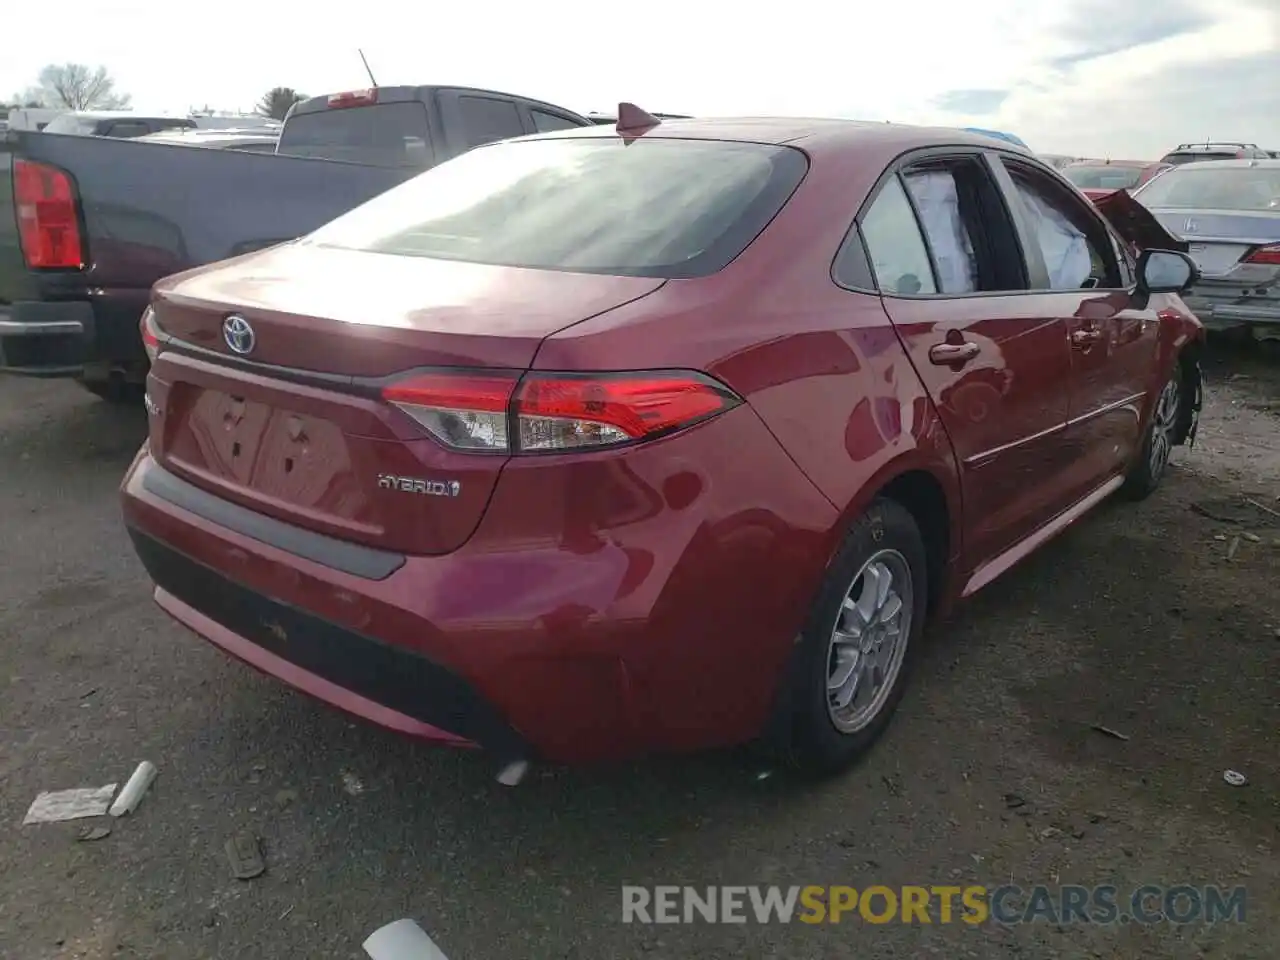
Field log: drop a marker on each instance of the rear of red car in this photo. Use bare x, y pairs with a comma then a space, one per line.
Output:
359, 480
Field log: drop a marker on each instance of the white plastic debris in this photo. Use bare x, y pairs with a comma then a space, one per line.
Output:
142, 777
1235, 778
57, 805
402, 940
351, 784
513, 773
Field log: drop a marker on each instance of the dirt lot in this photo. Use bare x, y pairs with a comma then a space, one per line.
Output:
1157, 621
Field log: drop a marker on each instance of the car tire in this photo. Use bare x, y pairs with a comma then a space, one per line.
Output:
1157, 444
825, 739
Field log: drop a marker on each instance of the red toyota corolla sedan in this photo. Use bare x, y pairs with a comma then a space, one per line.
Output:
610, 441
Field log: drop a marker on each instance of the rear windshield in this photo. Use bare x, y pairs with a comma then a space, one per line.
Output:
1194, 155
1103, 177
1215, 188
648, 208
383, 135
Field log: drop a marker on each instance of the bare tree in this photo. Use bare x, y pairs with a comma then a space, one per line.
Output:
276, 102
77, 87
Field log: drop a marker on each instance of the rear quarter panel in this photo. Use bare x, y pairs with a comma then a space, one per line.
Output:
822, 366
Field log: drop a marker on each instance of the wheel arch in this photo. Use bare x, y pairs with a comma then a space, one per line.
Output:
930, 491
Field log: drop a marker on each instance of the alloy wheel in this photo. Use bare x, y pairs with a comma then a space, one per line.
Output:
869, 641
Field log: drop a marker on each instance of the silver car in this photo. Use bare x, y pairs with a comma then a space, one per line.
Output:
1229, 213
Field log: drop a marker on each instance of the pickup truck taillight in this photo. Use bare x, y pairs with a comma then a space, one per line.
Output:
48, 221
557, 412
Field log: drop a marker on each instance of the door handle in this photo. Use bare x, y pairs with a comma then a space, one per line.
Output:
944, 354
1085, 338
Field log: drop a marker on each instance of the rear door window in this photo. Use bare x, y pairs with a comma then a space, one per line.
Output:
545, 122
382, 134
487, 119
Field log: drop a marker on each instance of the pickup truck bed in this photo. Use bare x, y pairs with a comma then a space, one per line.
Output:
147, 211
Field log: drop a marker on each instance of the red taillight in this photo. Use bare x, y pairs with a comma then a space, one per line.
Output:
151, 333
1269, 255
566, 412
48, 227
463, 411
556, 411
353, 98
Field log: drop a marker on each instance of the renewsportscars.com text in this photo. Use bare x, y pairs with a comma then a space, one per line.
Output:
1006, 904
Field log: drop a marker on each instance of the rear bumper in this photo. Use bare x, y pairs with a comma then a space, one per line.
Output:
392, 686
62, 338
600, 610
46, 339
1228, 308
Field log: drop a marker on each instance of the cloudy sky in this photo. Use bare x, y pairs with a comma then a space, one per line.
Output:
1087, 77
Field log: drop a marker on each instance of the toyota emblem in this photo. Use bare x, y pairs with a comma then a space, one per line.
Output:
237, 334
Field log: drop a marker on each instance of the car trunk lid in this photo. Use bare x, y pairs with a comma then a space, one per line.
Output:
1219, 240
296, 426
1136, 224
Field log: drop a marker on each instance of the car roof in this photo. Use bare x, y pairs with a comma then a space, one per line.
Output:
814, 134
122, 115
197, 133
397, 94
1113, 163
1257, 162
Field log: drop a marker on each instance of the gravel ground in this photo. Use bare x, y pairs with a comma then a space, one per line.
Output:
1137, 620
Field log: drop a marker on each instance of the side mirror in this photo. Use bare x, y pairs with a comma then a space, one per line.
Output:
1166, 271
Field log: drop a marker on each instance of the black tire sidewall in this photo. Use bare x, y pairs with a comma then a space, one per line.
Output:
816, 744
1140, 482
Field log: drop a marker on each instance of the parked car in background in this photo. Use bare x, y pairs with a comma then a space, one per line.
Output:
1056, 160
99, 220
205, 121
1098, 178
1229, 212
1213, 150
612, 441
114, 123
258, 140
32, 118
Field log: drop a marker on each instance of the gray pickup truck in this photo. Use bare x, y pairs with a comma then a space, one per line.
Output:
89, 223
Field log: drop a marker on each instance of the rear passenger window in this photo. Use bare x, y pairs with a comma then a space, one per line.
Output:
950, 239
899, 258
545, 122
486, 119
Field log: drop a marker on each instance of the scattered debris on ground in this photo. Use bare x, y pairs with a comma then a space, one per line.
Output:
402, 940
1110, 732
132, 793
351, 783
59, 805
245, 855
